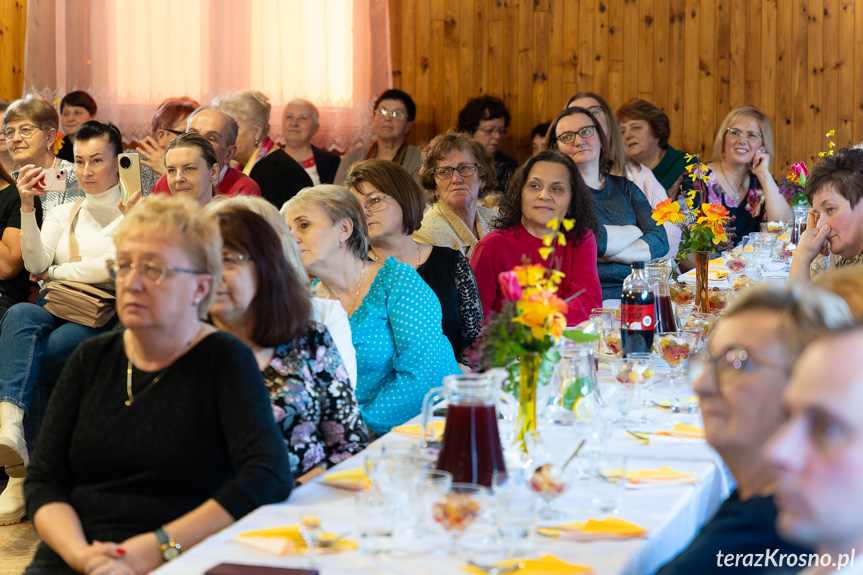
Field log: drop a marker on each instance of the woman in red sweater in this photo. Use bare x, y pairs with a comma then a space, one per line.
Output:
547, 186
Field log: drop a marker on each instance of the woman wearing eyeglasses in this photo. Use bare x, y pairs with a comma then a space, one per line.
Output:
626, 232
393, 119
168, 122
162, 434
739, 176
34, 344
485, 119
454, 172
393, 205
30, 126
395, 317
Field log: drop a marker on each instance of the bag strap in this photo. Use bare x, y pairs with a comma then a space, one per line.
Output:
74, 252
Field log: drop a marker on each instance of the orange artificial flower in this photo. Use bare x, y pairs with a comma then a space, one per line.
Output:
58, 142
713, 213
667, 211
542, 311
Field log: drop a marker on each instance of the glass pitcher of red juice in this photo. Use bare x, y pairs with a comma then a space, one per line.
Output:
658, 273
470, 448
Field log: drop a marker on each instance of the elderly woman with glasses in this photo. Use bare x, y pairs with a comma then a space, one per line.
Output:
739, 176
35, 343
393, 205
394, 116
162, 434
626, 231
455, 171
30, 126
486, 119
395, 317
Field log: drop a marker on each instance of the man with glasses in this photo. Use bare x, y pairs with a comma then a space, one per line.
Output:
221, 130
746, 368
393, 119
818, 453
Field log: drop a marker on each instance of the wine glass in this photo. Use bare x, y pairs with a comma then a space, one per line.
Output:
737, 261
624, 391
674, 347
457, 509
703, 321
613, 342
648, 383
549, 478
415, 490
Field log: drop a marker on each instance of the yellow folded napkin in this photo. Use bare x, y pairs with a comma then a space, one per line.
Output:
713, 274
647, 476
683, 430
666, 406
288, 540
414, 430
351, 479
716, 262
608, 528
545, 565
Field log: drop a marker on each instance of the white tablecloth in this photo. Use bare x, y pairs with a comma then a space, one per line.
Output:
671, 514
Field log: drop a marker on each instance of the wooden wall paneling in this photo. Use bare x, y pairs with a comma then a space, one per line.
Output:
409, 47
524, 107
13, 21
677, 90
437, 79
599, 55
631, 61
707, 78
422, 89
396, 27
830, 77
556, 96
815, 55
646, 55
800, 80
497, 47
616, 89
737, 47
768, 60
724, 73
587, 10
469, 81
858, 84
661, 50
541, 6
480, 52
754, 54
847, 66
785, 60
571, 56
692, 34
451, 101
541, 72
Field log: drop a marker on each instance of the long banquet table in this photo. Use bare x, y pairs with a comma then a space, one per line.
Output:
672, 514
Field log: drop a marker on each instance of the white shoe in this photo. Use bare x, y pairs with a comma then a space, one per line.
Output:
13, 447
12, 502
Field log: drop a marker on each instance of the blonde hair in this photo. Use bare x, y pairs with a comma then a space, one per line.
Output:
746, 111
182, 216
338, 204
269, 212
249, 106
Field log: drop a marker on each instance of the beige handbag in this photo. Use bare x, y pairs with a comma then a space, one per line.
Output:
74, 301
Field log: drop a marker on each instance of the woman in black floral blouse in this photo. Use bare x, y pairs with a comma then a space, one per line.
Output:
263, 303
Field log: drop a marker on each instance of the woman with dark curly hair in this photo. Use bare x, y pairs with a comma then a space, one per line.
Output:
547, 186
486, 119
455, 170
627, 233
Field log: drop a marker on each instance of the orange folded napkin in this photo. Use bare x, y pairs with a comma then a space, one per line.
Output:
351, 479
608, 528
683, 430
414, 430
545, 565
281, 541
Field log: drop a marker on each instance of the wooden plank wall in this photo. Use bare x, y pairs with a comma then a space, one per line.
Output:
800, 61
13, 21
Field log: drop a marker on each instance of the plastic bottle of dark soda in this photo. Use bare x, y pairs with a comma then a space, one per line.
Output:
637, 312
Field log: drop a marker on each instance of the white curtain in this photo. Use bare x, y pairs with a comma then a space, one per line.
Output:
132, 54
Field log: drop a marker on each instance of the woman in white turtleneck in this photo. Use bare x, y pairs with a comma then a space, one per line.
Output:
34, 344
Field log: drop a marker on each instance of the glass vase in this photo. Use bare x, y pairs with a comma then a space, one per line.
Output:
528, 375
702, 297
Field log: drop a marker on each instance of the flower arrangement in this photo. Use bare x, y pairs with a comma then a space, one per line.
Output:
58, 142
793, 184
703, 226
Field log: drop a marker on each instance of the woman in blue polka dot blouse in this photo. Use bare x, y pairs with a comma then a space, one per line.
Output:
395, 317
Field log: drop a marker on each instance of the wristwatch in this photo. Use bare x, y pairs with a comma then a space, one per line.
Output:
167, 546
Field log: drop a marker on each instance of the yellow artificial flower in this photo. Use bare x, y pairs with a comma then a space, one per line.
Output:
561, 239
531, 274
719, 234
568, 224
546, 241
552, 224
831, 133
667, 211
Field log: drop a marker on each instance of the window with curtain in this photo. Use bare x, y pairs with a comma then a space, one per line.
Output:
133, 54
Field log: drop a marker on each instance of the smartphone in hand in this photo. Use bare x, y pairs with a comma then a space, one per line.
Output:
130, 174
52, 180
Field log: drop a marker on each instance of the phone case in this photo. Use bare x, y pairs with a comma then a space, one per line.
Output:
52, 180
130, 174
237, 569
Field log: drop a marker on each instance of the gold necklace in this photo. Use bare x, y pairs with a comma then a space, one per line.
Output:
131, 399
419, 255
359, 286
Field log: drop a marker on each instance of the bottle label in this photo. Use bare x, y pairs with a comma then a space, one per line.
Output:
637, 317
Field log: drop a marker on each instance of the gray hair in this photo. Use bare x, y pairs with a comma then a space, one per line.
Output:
233, 126
338, 204
248, 106
269, 212
309, 105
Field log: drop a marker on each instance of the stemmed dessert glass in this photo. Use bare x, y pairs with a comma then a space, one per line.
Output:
457, 510
674, 347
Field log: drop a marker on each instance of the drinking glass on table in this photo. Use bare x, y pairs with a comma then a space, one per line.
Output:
763, 244
649, 381
625, 391
414, 492
456, 510
375, 522
608, 484
703, 321
737, 261
550, 478
674, 347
